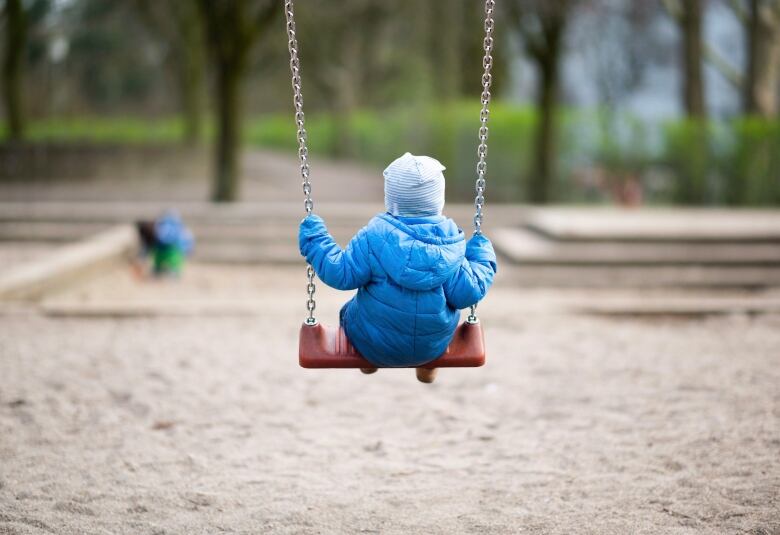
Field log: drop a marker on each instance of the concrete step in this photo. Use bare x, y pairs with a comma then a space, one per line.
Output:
267, 213
682, 306
641, 276
63, 265
241, 290
655, 224
524, 246
240, 223
538, 275
15, 253
239, 213
48, 231
264, 234
617, 307
66, 231
248, 253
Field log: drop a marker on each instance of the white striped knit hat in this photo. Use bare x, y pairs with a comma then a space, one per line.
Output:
414, 186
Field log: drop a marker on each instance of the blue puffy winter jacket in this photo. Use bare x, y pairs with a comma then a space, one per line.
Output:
412, 275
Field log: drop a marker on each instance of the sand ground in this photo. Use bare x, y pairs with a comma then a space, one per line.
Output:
188, 420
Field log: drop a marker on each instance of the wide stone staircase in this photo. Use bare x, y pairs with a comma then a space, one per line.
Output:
559, 247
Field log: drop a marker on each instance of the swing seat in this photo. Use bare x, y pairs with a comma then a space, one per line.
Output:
328, 347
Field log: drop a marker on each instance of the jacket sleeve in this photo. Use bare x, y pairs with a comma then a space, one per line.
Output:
343, 269
471, 281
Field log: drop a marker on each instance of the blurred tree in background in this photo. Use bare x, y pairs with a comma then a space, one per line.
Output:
113, 61
178, 26
762, 20
542, 25
232, 27
689, 15
346, 63
19, 21
379, 54
761, 77
692, 185
15, 27
595, 100
762, 30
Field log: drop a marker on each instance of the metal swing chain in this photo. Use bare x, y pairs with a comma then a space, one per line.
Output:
484, 114
303, 150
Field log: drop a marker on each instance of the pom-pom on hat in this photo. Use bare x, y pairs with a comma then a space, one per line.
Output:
414, 186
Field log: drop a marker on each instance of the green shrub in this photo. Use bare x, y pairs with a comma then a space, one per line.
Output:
448, 133
689, 155
750, 163
106, 130
733, 162
621, 157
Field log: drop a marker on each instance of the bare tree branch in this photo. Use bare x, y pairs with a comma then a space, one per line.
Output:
739, 10
726, 69
769, 13
212, 20
267, 15
534, 44
251, 25
532, 41
674, 9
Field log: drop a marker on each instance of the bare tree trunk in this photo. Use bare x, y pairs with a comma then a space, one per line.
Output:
226, 162
760, 91
16, 29
191, 102
445, 46
232, 27
542, 26
769, 95
348, 76
693, 82
546, 51
692, 182
179, 25
191, 76
546, 131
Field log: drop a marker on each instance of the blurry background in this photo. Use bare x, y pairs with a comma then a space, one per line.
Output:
596, 101
632, 333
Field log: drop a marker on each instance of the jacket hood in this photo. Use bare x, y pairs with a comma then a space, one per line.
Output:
421, 253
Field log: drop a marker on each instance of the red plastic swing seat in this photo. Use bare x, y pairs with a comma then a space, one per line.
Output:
328, 347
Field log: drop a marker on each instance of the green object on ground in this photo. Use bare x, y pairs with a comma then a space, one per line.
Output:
168, 260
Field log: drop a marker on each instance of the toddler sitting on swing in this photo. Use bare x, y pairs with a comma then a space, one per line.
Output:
412, 267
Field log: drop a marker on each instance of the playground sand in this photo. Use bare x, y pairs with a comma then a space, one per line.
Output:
204, 424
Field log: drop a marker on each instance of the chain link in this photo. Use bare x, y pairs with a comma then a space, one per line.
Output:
310, 288
303, 150
300, 120
484, 115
